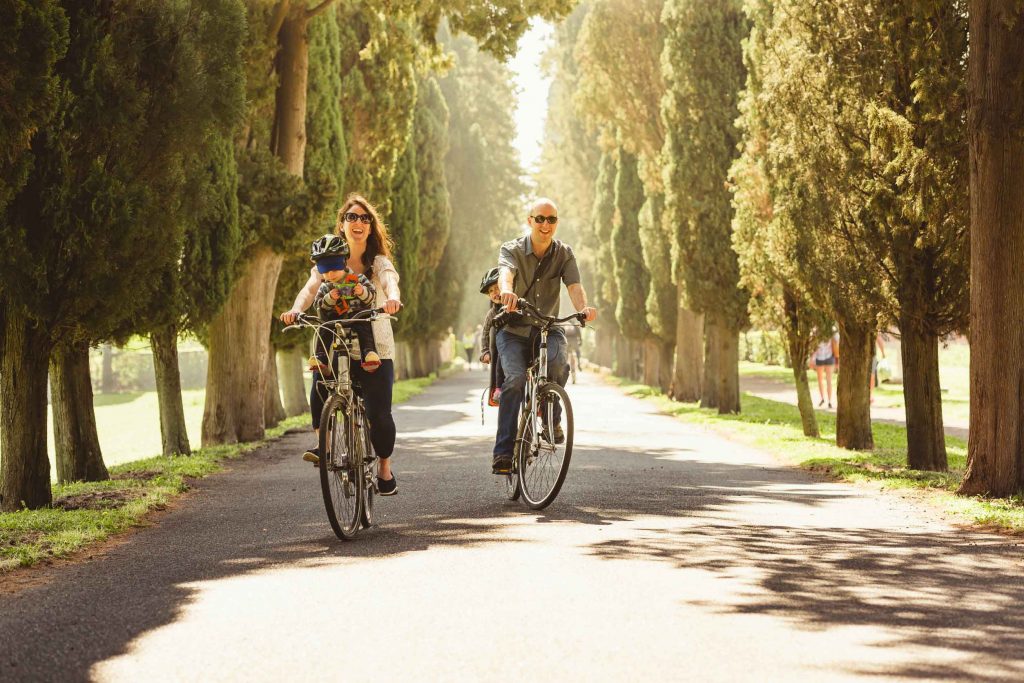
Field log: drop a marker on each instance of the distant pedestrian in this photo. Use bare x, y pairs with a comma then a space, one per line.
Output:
824, 361
879, 347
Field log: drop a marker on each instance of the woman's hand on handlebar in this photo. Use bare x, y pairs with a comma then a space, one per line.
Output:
391, 306
288, 317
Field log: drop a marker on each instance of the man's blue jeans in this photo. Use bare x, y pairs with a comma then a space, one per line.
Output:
515, 355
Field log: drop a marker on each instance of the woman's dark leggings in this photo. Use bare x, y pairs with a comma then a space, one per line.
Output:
375, 388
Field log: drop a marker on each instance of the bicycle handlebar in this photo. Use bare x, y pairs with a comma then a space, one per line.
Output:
551, 320
367, 316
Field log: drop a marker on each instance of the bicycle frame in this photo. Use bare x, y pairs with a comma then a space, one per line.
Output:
537, 372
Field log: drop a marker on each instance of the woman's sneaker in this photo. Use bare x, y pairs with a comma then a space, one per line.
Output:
312, 455
388, 487
371, 361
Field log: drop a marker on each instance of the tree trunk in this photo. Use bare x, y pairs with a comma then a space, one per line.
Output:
995, 451
273, 408
291, 363
240, 333
666, 355
926, 441
288, 140
239, 339
710, 384
799, 347
604, 348
651, 356
728, 394
853, 417
622, 357
24, 464
401, 360
107, 384
173, 434
76, 442
689, 362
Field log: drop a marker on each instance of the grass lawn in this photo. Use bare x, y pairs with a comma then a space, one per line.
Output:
128, 425
954, 377
775, 427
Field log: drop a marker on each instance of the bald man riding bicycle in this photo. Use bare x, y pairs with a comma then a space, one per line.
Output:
532, 267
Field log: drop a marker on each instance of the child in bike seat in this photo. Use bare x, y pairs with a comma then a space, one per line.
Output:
341, 295
488, 343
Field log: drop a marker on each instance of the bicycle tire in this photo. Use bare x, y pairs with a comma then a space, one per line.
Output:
511, 482
542, 470
342, 494
370, 468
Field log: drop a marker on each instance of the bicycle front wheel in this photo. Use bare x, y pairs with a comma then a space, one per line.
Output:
340, 470
371, 465
542, 453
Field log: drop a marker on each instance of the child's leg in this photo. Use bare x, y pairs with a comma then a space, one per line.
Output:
367, 347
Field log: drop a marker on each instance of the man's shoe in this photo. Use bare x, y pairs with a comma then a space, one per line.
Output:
312, 455
501, 464
559, 435
387, 487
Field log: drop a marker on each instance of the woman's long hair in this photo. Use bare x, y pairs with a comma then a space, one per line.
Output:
379, 241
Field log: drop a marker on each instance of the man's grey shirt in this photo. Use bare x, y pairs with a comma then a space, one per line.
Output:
547, 274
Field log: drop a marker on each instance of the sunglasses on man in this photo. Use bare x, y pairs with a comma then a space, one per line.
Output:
550, 219
353, 217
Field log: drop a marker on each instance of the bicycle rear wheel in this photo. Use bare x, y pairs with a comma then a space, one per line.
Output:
542, 463
339, 465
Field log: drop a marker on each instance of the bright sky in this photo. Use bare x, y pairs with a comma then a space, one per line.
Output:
532, 87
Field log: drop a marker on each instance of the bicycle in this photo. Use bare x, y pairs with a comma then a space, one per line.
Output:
348, 466
540, 460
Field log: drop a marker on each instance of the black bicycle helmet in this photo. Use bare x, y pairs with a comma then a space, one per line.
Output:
490, 278
329, 245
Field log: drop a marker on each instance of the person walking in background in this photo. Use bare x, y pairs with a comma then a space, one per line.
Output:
879, 348
468, 343
824, 361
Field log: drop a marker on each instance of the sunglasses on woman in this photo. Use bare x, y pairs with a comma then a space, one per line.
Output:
353, 217
550, 219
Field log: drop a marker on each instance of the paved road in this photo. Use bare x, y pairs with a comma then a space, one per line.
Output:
671, 554
777, 390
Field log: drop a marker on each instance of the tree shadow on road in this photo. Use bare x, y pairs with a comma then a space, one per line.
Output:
926, 589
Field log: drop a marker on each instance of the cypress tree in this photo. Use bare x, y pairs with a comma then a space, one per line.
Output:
995, 453
703, 70
35, 37
324, 171
607, 289
631, 277
481, 162
104, 184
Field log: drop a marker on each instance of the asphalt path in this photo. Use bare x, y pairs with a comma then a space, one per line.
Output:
671, 554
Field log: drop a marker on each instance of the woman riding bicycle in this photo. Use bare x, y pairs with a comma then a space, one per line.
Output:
369, 255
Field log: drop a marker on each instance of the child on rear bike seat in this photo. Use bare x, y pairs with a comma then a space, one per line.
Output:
488, 337
341, 295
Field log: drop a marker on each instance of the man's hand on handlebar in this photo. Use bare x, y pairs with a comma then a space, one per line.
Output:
510, 301
589, 313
